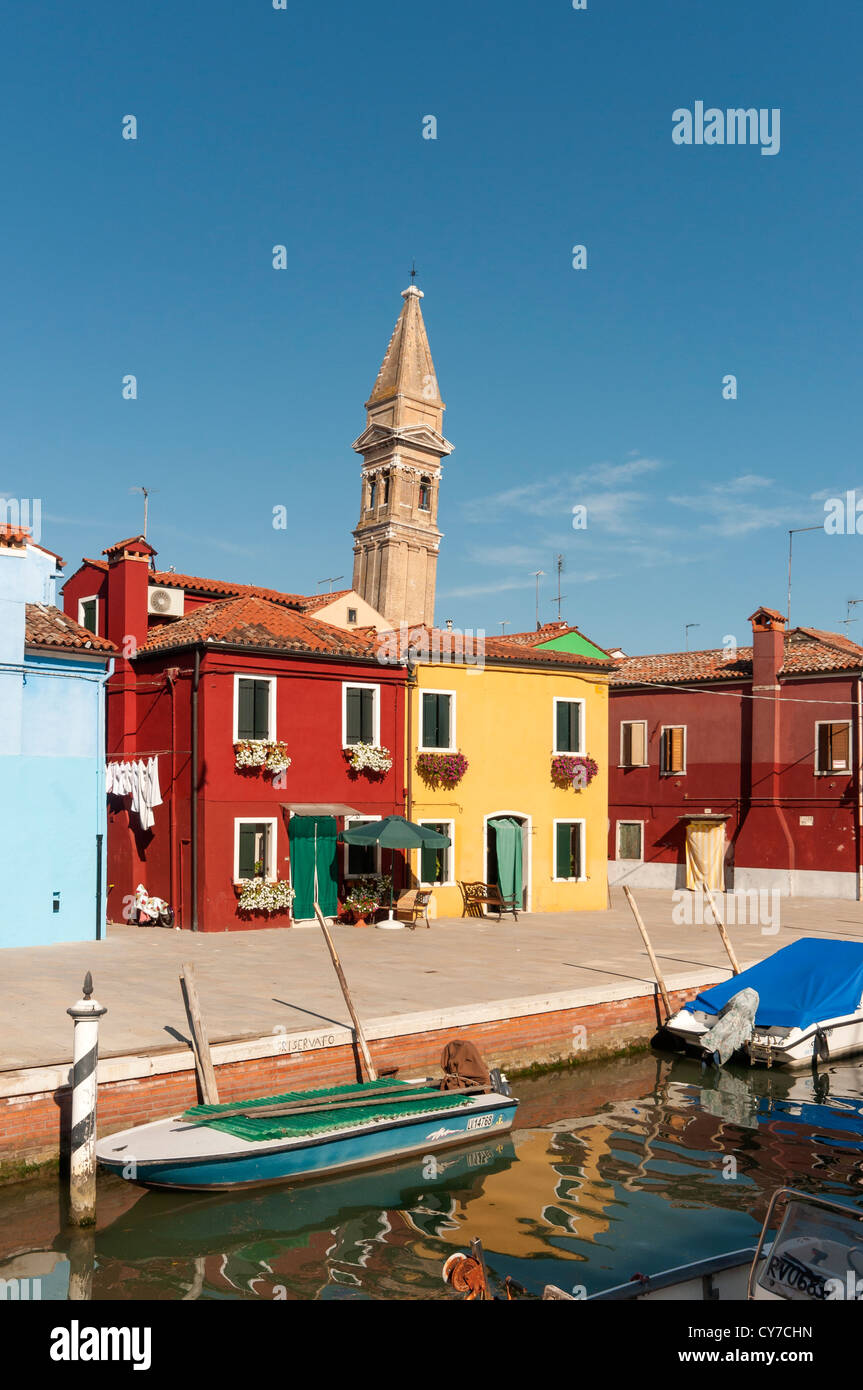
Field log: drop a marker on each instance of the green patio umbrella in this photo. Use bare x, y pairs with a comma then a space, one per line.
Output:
394, 832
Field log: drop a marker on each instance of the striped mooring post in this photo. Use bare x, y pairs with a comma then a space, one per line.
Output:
85, 1057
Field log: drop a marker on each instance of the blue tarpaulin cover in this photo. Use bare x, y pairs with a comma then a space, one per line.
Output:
810, 980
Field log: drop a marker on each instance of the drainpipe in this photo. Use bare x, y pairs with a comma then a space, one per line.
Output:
859, 788
194, 797
409, 689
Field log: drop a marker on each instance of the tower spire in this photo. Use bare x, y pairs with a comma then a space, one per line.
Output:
396, 539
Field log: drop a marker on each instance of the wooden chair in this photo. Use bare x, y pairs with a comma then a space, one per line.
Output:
411, 905
475, 896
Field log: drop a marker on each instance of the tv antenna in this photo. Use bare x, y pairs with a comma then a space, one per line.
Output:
331, 580
147, 491
537, 574
688, 626
560, 565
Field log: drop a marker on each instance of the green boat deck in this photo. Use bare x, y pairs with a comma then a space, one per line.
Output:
264, 1127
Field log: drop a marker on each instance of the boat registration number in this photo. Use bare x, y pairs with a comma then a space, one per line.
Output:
480, 1122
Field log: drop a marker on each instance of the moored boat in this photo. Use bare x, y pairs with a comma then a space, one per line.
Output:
304, 1135
815, 1255
809, 1005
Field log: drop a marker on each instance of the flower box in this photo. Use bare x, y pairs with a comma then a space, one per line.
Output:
368, 757
573, 770
261, 752
260, 895
442, 769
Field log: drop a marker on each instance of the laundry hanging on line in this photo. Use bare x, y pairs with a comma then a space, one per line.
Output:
140, 780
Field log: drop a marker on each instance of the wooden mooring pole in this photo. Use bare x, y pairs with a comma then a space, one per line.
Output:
726, 941
85, 1060
358, 1027
200, 1041
646, 939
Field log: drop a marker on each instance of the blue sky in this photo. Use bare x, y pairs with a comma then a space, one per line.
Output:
600, 387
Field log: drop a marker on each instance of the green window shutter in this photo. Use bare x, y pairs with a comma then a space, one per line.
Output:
428, 864
429, 730
443, 712
433, 862
436, 721
562, 850
262, 709
367, 722
568, 731
246, 709
353, 715
248, 835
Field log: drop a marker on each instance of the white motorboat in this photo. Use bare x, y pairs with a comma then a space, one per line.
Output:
810, 1005
816, 1254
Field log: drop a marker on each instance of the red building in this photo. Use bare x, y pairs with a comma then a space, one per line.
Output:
217, 666
752, 756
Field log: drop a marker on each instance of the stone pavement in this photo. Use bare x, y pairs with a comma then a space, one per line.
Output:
254, 982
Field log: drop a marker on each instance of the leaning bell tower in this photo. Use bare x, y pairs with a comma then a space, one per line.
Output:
396, 540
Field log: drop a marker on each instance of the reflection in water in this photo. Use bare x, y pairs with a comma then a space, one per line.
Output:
617, 1168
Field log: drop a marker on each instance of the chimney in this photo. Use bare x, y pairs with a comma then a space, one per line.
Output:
764, 841
126, 599
126, 626
768, 647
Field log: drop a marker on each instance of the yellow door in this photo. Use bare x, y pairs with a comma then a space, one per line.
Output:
705, 854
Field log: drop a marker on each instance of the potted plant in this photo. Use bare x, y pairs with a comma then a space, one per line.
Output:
259, 895
442, 769
365, 897
369, 757
271, 754
573, 770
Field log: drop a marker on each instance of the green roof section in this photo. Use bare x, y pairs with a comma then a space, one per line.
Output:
572, 641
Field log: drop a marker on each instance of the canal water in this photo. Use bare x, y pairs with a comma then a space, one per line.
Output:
616, 1168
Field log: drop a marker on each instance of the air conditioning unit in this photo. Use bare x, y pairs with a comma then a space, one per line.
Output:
166, 603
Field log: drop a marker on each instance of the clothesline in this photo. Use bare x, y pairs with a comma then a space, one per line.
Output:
140, 780
150, 753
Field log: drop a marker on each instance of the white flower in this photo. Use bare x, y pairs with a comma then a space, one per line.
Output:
262, 752
369, 755
257, 895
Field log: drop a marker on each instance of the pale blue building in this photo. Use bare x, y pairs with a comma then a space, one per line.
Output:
52, 756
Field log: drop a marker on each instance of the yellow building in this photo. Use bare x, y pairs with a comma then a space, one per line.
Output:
510, 705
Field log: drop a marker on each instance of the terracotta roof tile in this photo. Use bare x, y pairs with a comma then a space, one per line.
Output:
499, 649
46, 626
21, 535
315, 602
249, 621
130, 540
807, 650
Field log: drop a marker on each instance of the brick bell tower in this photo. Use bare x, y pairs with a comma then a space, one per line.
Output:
396, 540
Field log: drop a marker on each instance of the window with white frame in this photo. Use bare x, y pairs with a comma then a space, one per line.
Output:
88, 613
255, 849
832, 746
672, 749
633, 743
569, 850
437, 725
361, 859
361, 716
254, 707
568, 726
630, 839
436, 865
